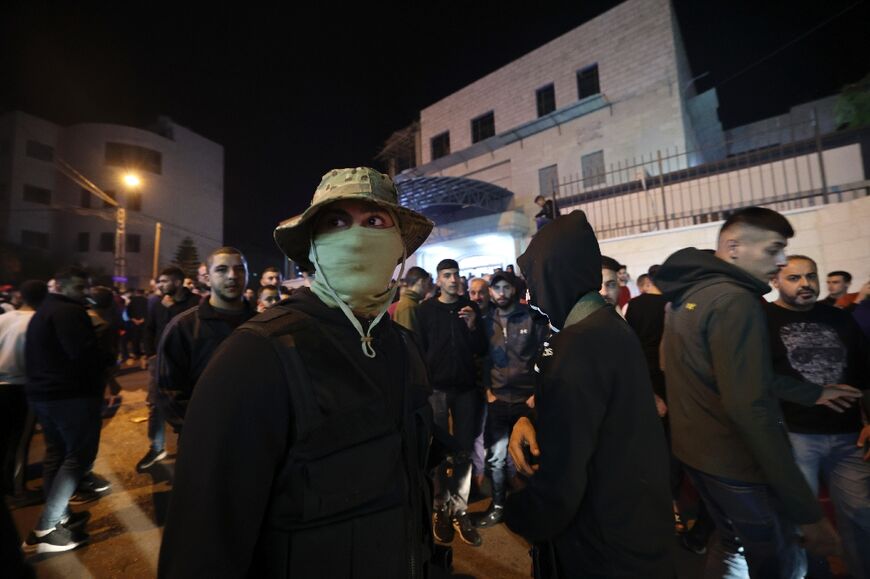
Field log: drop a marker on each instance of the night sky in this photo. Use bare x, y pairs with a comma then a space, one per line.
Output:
292, 93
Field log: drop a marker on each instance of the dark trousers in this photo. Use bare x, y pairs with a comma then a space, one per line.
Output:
453, 476
16, 429
131, 346
500, 419
72, 436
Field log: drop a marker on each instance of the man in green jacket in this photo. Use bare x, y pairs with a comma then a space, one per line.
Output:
723, 397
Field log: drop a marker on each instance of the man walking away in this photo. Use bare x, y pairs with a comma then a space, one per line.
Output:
818, 343
192, 337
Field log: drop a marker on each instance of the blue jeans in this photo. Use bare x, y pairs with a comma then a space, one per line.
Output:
72, 436
501, 417
756, 540
156, 417
841, 465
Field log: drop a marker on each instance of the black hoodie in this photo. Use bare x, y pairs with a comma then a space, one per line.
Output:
722, 391
600, 500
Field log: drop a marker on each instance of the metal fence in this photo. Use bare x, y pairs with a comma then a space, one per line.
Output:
671, 188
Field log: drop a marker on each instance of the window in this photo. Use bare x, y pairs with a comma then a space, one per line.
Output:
39, 195
85, 199
134, 201
133, 242
107, 242
83, 244
35, 239
593, 169
133, 156
111, 194
587, 82
546, 98
40, 151
548, 180
441, 145
483, 127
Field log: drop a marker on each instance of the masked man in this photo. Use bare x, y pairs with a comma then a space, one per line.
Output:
306, 437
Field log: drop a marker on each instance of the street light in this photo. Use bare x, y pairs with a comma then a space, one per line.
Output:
131, 180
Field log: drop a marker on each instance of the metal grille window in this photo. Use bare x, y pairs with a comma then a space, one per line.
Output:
587, 82
39, 195
41, 151
546, 99
107, 242
441, 145
134, 157
593, 169
133, 242
36, 239
483, 127
83, 243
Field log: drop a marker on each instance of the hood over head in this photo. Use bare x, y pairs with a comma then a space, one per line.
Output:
696, 268
561, 265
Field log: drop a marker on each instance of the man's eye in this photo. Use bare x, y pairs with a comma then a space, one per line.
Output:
376, 221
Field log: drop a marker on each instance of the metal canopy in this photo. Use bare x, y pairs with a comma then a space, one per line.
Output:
449, 199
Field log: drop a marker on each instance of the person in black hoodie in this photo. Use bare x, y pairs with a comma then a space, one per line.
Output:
307, 434
451, 336
598, 502
192, 337
65, 369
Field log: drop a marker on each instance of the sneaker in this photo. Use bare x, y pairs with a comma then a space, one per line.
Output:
466, 530
94, 482
149, 459
491, 517
75, 520
82, 497
442, 528
59, 539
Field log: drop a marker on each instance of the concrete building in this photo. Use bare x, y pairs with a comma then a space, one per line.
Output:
43, 210
615, 88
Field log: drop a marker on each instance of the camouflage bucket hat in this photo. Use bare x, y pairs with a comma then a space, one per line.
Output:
293, 235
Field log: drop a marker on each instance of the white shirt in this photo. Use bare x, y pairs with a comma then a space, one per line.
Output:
13, 331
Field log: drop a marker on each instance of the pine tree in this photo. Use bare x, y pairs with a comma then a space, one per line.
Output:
187, 257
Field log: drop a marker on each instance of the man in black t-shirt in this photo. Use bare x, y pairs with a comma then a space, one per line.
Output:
646, 316
822, 344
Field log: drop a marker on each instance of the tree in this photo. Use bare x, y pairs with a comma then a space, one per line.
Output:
187, 257
852, 110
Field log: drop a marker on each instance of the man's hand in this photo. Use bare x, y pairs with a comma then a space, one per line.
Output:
838, 397
467, 314
524, 434
530, 401
490, 397
821, 539
864, 441
661, 407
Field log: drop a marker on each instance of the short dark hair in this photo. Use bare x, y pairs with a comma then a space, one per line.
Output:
540, 197
70, 272
609, 263
642, 278
847, 277
270, 269
267, 288
798, 256
174, 272
447, 264
762, 218
33, 291
653, 271
415, 274
226, 250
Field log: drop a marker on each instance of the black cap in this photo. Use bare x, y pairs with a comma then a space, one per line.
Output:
503, 276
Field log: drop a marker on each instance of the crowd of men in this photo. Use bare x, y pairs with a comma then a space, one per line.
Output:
341, 429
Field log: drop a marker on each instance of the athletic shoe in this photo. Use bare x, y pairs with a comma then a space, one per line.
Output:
82, 497
466, 530
59, 539
153, 456
442, 528
491, 517
75, 520
94, 482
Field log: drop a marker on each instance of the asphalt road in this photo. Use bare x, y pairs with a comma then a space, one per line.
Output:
126, 525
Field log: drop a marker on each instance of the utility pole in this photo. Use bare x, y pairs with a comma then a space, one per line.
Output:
157, 230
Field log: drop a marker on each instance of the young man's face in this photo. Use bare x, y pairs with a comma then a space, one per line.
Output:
798, 284
271, 278
758, 252
540, 201
478, 292
837, 286
268, 298
609, 286
502, 293
75, 288
622, 276
250, 294
168, 285
448, 281
228, 276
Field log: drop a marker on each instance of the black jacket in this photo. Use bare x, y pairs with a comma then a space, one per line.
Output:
514, 344
62, 355
160, 316
187, 345
600, 502
448, 345
254, 497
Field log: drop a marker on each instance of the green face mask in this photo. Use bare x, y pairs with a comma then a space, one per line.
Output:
353, 271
